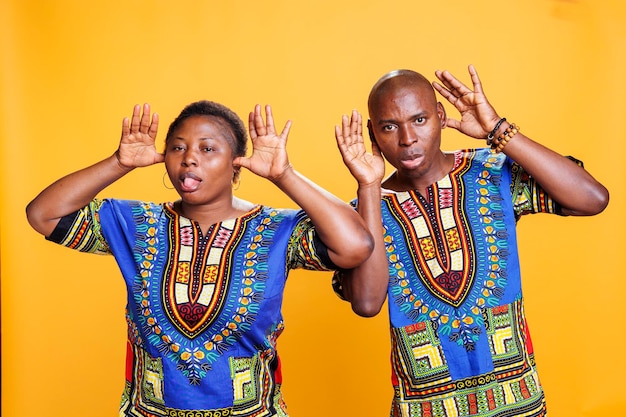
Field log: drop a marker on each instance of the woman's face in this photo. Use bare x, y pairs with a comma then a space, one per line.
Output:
199, 160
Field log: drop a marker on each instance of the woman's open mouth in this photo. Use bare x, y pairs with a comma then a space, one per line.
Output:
189, 182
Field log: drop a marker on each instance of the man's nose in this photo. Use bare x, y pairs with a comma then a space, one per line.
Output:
407, 136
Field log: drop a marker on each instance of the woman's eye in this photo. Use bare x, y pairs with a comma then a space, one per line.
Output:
209, 149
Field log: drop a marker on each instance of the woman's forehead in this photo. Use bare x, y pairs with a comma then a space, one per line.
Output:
198, 123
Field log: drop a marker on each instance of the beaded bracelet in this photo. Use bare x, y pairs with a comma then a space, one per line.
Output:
503, 139
492, 134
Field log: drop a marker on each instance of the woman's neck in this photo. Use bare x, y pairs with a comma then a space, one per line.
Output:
207, 215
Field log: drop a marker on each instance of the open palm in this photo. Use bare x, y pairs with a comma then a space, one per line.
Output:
478, 117
137, 145
269, 154
366, 168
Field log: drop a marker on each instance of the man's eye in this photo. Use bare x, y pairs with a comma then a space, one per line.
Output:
420, 120
177, 148
388, 128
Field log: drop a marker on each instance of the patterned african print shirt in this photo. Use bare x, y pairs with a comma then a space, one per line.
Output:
460, 342
204, 310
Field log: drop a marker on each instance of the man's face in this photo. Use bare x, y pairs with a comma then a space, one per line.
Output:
406, 121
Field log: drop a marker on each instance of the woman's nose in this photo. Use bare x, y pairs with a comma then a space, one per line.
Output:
190, 159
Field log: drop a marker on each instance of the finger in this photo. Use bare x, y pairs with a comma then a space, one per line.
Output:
154, 126
375, 149
454, 84
341, 140
478, 87
453, 123
242, 161
355, 127
338, 135
251, 127
269, 120
444, 92
144, 124
259, 124
159, 157
342, 145
346, 129
285, 133
359, 125
125, 127
456, 87
441, 76
134, 121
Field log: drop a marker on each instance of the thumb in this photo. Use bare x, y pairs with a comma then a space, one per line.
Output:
453, 123
375, 149
286, 129
242, 161
159, 157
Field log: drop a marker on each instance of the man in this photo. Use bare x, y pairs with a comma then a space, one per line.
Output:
445, 251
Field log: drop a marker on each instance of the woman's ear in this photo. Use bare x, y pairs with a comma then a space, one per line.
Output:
236, 180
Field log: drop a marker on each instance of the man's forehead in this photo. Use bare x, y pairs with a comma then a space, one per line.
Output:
403, 84
406, 101
399, 78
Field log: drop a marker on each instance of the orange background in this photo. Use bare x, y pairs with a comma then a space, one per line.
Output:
71, 70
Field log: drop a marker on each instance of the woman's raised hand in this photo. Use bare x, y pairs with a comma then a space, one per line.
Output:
269, 150
137, 146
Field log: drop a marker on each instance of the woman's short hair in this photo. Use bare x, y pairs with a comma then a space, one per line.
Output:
212, 109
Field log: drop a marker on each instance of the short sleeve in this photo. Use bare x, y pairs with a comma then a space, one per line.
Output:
306, 250
337, 284
528, 196
81, 230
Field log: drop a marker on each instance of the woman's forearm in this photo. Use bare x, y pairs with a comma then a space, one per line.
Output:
71, 193
340, 228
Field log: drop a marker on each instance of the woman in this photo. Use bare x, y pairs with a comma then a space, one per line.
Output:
205, 274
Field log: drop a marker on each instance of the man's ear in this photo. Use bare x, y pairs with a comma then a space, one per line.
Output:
370, 131
441, 113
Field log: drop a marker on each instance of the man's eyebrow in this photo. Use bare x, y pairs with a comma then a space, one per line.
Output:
386, 121
415, 116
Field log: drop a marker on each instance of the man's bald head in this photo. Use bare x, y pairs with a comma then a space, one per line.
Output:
396, 80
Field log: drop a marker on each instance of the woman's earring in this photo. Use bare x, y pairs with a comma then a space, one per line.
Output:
165, 184
236, 182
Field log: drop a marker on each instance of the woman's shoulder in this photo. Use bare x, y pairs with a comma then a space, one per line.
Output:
133, 207
281, 213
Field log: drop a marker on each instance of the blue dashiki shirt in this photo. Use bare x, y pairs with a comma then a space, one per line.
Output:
460, 342
204, 311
